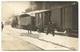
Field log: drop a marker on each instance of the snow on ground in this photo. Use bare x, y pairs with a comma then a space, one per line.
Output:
65, 41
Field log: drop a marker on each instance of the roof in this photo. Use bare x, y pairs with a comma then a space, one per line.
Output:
24, 15
32, 13
37, 11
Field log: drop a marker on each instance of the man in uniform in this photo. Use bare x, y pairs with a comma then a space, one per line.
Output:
29, 28
48, 28
53, 28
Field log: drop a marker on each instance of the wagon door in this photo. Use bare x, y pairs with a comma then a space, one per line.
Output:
47, 17
56, 17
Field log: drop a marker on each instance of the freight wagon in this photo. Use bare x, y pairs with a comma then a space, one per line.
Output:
23, 20
42, 17
66, 18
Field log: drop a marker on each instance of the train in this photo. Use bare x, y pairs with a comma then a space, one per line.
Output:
65, 19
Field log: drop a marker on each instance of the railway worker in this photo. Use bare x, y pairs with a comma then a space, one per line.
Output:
53, 28
29, 28
39, 28
48, 28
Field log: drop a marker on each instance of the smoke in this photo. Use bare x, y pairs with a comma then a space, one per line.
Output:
10, 8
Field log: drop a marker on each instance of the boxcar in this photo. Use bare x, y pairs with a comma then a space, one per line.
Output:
24, 20
66, 18
42, 17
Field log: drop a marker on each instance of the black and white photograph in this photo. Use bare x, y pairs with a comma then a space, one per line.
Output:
39, 26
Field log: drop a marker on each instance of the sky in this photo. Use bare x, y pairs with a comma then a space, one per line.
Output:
9, 8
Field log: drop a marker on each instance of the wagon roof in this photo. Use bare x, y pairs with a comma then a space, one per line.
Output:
37, 11
24, 15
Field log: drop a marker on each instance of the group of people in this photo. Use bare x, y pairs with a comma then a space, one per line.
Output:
50, 28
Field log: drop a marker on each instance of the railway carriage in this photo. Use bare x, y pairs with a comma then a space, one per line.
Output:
23, 20
66, 18
42, 17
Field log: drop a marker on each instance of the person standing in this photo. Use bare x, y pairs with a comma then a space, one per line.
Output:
2, 25
29, 28
53, 28
39, 28
47, 30
48, 27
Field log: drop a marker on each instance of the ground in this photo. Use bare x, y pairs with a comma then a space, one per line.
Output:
10, 42
19, 39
